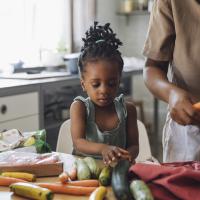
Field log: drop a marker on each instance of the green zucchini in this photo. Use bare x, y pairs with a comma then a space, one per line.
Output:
140, 190
105, 176
93, 166
83, 171
120, 183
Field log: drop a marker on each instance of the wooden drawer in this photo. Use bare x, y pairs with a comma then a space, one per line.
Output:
17, 106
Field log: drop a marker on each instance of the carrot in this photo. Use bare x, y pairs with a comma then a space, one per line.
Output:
64, 177
6, 181
196, 106
73, 174
67, 189
84, 183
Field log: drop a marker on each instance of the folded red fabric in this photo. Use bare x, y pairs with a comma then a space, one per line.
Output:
170, 181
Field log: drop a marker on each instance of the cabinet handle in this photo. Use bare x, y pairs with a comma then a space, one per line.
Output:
3, 109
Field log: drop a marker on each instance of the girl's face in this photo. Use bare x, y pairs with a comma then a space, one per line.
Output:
101, 81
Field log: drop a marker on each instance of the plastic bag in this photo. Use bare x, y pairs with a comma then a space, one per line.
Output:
28, 141
10, 158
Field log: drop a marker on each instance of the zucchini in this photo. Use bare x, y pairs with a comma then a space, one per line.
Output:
120, 183
93, 166
105, 176
83, 171
140, 190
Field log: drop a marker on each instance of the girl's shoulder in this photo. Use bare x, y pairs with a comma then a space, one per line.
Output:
84, 101
80, 104
131, 108
127, 104
81, 98
77, 106
120, 105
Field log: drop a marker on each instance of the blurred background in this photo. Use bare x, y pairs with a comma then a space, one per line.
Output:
38, 34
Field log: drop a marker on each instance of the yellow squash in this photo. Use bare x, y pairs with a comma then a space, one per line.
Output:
21, 175
98, 194
29, 142
31, 191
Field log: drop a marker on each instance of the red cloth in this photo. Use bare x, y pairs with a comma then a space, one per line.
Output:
170, 181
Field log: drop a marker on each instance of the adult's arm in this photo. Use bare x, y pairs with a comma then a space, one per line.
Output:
180, 101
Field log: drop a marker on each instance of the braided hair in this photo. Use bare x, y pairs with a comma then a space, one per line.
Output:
100, 43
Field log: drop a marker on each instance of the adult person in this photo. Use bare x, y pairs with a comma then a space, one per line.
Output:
173, 46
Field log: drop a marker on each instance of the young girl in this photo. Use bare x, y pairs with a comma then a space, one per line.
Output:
103, 125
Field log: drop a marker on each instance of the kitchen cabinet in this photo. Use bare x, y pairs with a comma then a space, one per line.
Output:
20, 111
57, 99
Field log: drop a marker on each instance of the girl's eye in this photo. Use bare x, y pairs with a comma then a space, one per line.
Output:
95, 85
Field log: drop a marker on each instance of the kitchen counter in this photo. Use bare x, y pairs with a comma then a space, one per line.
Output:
7, 86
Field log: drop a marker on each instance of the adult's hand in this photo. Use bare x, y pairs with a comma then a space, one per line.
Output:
181, 109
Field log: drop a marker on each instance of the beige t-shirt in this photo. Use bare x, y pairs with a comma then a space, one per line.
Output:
174, 35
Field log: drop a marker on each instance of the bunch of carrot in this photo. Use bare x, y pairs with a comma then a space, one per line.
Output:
69, 188
6, 181
197, 106
70, 185
66, 185
7, 178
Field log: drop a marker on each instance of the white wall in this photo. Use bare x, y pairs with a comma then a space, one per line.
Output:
131, 30
132, 33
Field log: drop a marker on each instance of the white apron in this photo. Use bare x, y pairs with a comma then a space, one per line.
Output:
180, 143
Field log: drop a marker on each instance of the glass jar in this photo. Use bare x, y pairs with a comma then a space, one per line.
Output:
126, 6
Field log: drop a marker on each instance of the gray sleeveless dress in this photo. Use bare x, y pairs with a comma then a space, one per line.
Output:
116, 137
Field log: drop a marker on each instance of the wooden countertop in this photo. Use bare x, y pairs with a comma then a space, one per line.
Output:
5, 193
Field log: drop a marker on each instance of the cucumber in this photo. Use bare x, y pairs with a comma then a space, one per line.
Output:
120, 183
105, 176
83, 171
140, 190
93, 166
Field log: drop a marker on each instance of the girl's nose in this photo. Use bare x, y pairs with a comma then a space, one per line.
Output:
104, 89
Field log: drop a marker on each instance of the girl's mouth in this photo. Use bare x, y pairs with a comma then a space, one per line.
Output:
104, 100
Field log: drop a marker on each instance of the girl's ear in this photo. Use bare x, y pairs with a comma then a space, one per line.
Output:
82, 85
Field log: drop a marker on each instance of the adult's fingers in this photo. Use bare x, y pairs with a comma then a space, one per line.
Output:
181, 117
196, 118
192, 113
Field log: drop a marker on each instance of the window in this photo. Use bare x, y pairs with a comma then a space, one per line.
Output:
29, 28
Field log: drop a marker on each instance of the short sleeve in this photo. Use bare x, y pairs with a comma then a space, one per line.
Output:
160, 39
85, 101
122, 104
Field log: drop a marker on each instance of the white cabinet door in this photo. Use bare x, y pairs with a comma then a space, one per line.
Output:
20, 112
17, 106
30, 123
